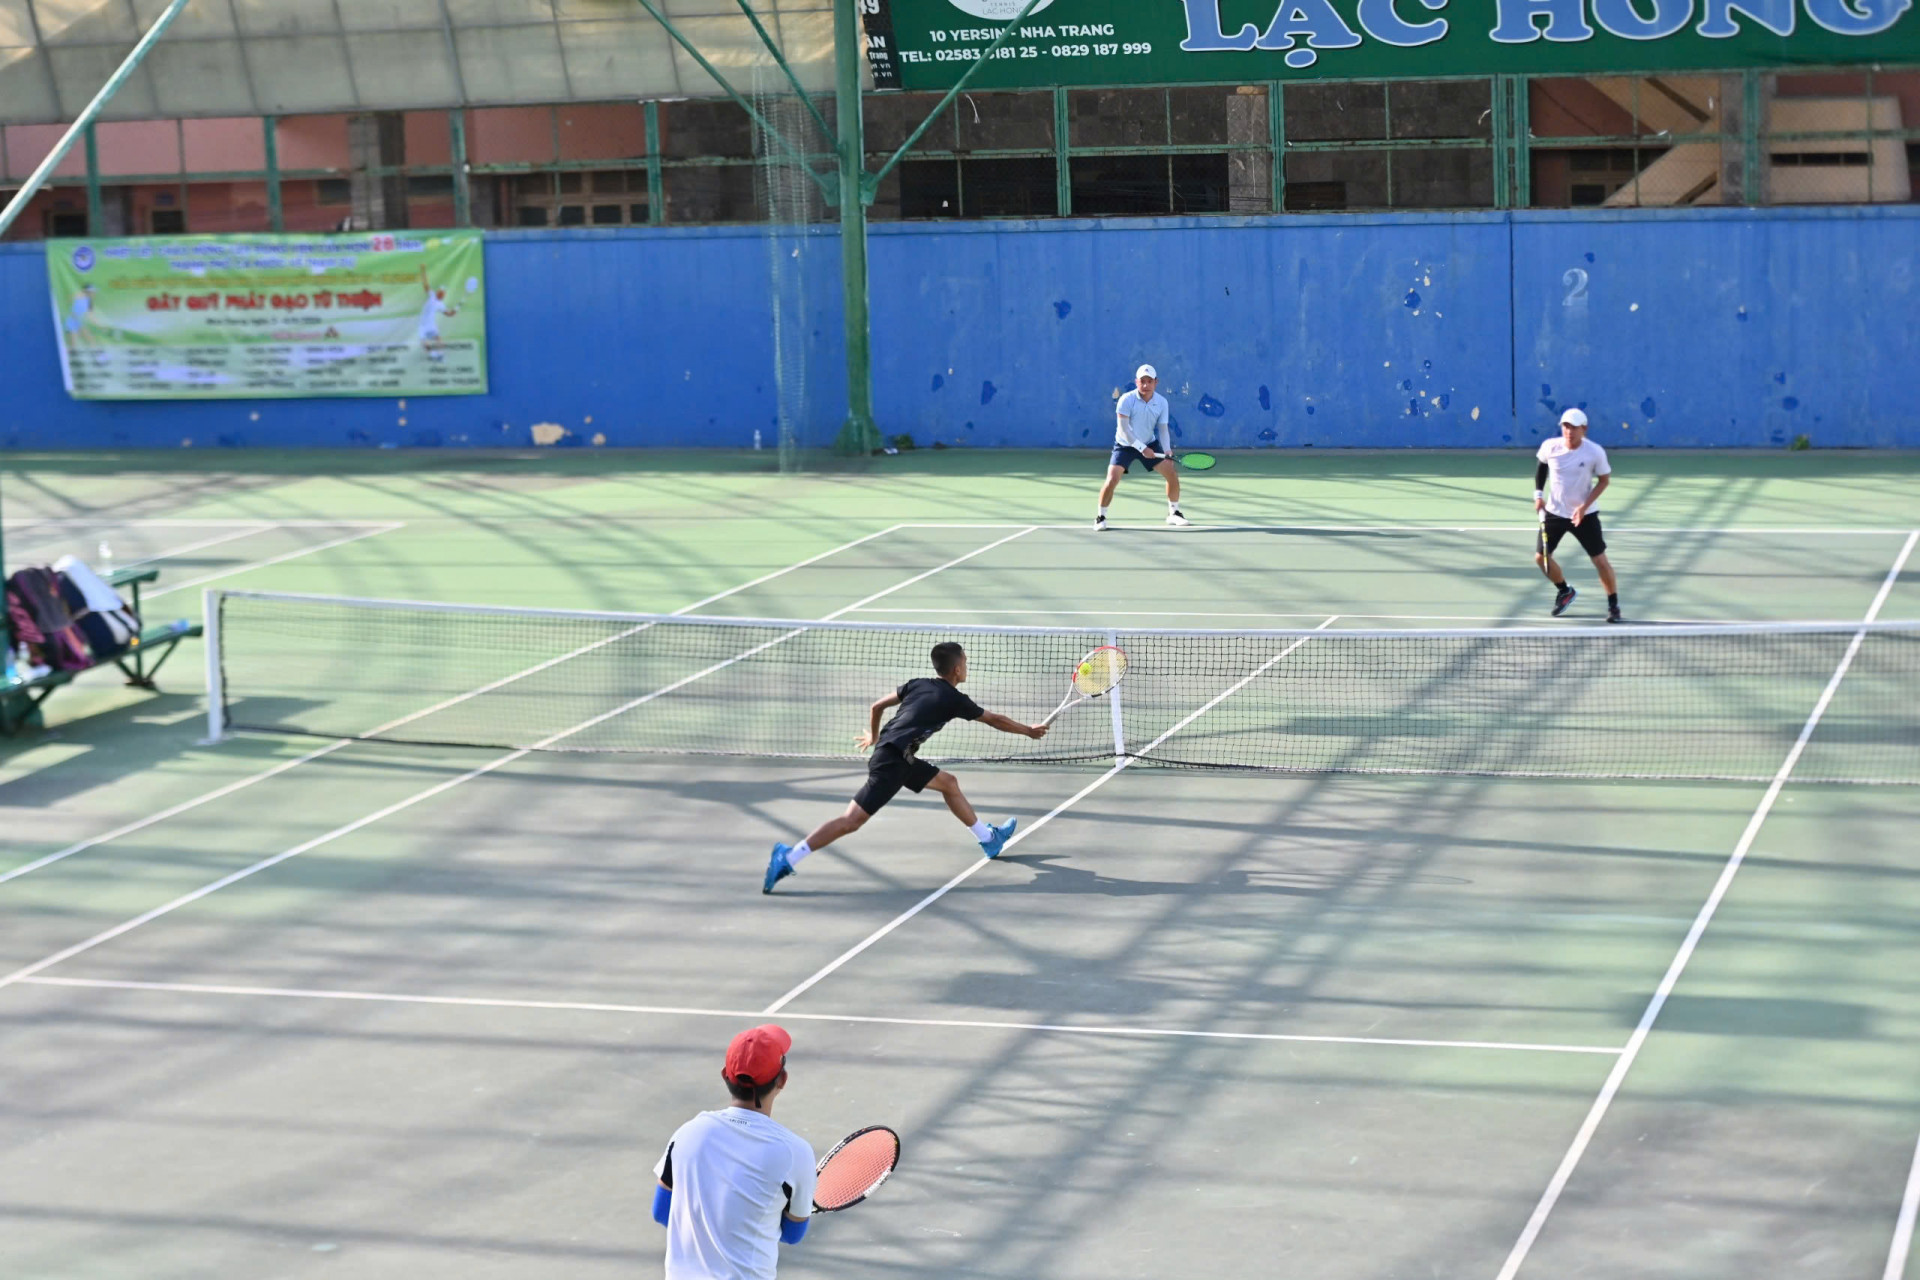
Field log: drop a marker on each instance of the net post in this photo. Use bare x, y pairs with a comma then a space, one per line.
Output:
216, 683
1119, 725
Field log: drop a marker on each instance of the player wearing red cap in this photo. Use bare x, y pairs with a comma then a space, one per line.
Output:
734, 1185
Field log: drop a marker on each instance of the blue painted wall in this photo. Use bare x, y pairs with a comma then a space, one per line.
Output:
1723, 327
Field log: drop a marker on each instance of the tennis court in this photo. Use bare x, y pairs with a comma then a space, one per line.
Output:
301, 1006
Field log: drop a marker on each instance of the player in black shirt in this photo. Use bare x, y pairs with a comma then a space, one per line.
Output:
926, 707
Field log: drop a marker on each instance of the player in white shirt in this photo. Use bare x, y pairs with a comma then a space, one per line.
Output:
734, 1185
1141, 435
1567, 485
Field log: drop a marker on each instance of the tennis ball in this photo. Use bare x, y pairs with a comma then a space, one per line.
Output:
1086, 668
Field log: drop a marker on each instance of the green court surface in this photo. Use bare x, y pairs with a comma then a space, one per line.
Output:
303, 1007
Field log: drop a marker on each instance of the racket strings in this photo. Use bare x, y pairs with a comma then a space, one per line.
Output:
856, 1169
1099, 671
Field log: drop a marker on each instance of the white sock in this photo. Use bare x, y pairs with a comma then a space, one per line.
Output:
798, 852
1172, 505
981, 831
1103, 513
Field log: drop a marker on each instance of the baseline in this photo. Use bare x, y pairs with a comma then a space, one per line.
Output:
228, 789
1024, 832
582, 1006
1615, 1078
428, 793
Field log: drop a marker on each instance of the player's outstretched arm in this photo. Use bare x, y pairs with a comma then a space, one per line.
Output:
1007, 724
874, 712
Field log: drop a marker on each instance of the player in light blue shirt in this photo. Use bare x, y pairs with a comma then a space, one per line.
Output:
1141, 435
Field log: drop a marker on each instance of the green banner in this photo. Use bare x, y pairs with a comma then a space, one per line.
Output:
216, 317
929, 44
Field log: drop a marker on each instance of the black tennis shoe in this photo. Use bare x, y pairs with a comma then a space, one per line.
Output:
1613, 613
1562, 598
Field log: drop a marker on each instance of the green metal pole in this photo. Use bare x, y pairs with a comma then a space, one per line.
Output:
39, 176
1521, 121
457, 154
276, 210
1502, 149
859, 434
1277, 139
656, 180
96, 207
1062, 160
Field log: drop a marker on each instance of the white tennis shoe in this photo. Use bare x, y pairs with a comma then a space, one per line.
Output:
1099, 524
1177, 520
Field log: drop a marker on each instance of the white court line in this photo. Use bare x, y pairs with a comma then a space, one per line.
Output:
201, 545
282, 559
179, 522
1530, 526
1903, 1226
231, 787
263, 864
1316, 613
587, 1006
1024, 832
1624, 1063
373, 532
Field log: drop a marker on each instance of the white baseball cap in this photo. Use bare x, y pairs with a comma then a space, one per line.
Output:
1573, 417
1144, 371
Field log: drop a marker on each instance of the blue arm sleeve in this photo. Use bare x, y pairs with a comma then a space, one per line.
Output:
792, 1232
662, 1202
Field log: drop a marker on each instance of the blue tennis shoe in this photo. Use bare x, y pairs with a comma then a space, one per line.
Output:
778, 868
994, 843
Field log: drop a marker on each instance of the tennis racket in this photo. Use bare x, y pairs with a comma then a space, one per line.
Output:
1096, 675
1540, 544
855, 1169
1197, 461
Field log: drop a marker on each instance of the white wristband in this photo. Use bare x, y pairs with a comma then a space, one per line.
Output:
1538, 494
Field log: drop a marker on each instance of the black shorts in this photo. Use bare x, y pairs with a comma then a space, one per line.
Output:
1586, 533
888, 770
1125, 455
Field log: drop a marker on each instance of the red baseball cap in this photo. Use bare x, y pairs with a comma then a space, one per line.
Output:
759, 1055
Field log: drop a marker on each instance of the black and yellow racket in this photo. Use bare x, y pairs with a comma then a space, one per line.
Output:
1540, 545
1094, 677
854, 1170
1197, 461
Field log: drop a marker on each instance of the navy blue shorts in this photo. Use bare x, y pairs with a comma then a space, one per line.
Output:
1125, 455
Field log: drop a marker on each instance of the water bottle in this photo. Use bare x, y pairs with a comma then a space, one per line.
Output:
756, 439
106, 559
13, 672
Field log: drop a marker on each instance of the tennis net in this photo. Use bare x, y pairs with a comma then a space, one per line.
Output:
1654, 702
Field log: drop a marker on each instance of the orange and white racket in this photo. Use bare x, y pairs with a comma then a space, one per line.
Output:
855, 1169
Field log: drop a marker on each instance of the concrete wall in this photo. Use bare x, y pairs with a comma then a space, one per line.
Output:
1706, 328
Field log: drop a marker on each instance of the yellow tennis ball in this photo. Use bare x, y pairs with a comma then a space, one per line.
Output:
1086, 668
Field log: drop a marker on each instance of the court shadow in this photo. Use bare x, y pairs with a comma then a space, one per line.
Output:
1757, 1016
1050, 877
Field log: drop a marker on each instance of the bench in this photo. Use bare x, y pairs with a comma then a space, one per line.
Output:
139, 661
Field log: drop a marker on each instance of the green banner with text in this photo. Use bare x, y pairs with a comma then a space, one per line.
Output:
229, 317
929, 44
